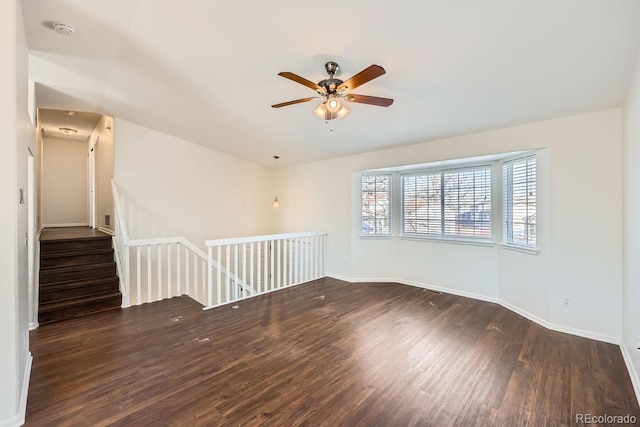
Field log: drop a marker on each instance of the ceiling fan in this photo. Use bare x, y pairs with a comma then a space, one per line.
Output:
335, 90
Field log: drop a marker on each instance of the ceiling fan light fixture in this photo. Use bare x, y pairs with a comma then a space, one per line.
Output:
324, 113
342, 112
68, 131
333, 105
321, 111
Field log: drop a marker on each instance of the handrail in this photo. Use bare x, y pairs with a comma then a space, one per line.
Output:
118, 210
264, 238
165, 240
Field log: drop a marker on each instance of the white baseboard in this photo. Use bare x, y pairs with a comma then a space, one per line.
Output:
554, 327
70, 224
106, 230
19, 419
25, 390
633, 374
560, 328
417, 285
33, 326
10, 422
338, 277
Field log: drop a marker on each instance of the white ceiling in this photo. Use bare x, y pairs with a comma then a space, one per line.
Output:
52, 120
207, 71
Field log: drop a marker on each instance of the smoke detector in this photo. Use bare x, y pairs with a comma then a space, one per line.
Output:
64, 29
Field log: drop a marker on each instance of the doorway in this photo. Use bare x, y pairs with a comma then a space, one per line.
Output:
32, 248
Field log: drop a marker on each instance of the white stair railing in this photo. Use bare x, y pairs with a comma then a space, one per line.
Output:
121, 250
155, 269
263, 263
233, 269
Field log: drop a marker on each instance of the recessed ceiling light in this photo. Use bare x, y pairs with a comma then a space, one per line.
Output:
64, 29
71, 113
68, 131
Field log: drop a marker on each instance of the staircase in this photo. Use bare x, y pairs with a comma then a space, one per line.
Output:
77, 274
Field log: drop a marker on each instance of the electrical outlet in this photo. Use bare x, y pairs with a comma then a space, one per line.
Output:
567, 303
25, 340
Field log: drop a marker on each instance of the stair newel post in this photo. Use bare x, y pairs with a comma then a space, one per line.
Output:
126, 300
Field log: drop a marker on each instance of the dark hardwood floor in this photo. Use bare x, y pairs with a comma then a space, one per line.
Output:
71, 233
327, 353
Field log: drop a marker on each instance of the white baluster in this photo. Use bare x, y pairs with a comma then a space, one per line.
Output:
279, 266
324, 254
272, 272
203, 280
127, 277
258, 285
236, 273
210, 276
148, 273
295, 260
195, 276
219, 282
228, 274
186, 271
159, 249
252, 277
244, 270
178, 270
307, 252
265, 266
169, 278
138, 276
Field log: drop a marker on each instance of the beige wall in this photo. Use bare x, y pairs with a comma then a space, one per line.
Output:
64, 182
172, 187
631, 294
103, 134
580, 231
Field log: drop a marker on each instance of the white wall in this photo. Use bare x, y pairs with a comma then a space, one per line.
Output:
631, 269
17, 137
64, 182
580, 192
172, 187
105, 152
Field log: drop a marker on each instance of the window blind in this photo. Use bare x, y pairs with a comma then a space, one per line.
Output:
376, 205
452, 203
519, 181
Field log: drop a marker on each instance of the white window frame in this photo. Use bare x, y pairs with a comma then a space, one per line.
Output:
442, 235
389, 208
507, 203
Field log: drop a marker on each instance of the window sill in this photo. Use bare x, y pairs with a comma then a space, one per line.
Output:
523, 249
377, 236
454, 240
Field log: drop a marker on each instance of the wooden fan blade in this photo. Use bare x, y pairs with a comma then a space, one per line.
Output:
372, 100
362, 77
296, 101
296, 78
